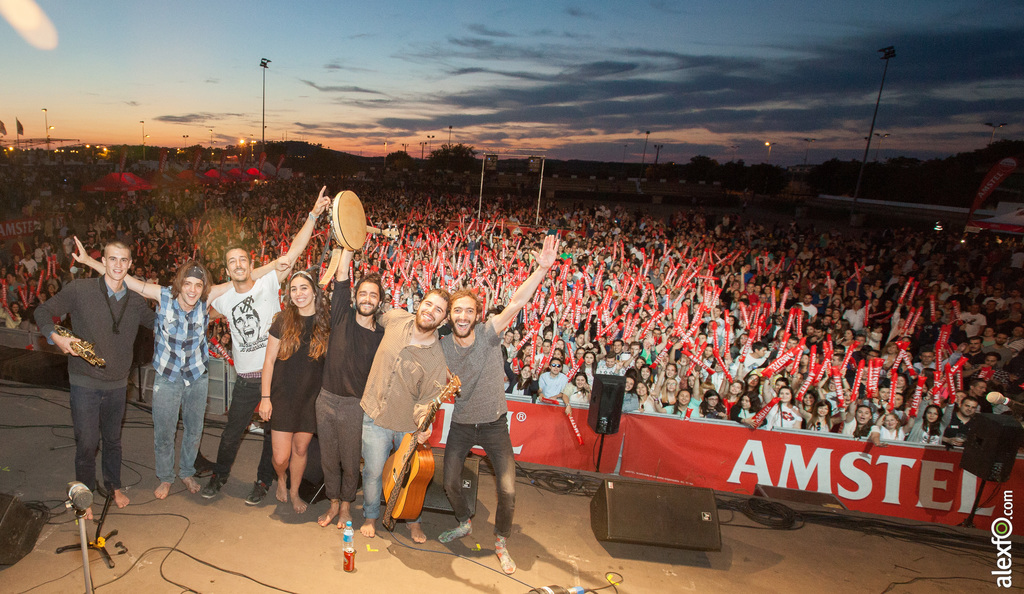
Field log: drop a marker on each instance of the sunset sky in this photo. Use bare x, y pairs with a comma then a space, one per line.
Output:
580, 80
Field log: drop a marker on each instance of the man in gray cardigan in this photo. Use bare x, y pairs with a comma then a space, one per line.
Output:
105, 313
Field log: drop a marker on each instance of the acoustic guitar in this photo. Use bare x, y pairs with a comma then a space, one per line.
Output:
410, 469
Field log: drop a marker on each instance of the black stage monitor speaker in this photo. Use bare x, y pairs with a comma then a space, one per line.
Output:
436, 501
606, 404
19, 529
656, 514
991, 446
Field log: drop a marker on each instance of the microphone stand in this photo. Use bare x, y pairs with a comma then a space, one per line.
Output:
100, 544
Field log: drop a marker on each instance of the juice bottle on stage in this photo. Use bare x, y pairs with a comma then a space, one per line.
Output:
348, 549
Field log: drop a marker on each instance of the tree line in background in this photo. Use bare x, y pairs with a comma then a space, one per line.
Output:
951, 181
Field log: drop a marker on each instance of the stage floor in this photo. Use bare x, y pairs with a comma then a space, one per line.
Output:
223, 545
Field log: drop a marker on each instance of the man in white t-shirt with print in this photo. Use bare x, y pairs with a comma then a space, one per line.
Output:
250, 302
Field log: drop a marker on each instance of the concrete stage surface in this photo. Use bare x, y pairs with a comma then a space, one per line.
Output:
223, 545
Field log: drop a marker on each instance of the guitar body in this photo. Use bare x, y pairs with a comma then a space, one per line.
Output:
413, 489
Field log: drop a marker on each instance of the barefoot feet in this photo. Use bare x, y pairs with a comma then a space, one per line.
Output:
191, 484
297, 503
369, 528
282, 491
162, 491
416, 530
120, 500
344, 514
332, 511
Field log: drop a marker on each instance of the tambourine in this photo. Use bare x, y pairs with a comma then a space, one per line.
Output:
348, 225
348, 220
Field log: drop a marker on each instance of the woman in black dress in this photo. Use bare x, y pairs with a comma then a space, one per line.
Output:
292, 372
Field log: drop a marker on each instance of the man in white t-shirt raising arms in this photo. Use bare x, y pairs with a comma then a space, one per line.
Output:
249, 302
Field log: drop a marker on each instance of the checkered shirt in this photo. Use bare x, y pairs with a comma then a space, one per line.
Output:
180, 350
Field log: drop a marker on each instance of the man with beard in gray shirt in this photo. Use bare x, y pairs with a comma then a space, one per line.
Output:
480, 414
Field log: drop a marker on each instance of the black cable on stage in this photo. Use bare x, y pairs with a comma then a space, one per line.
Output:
612, 582
561, 482
935, 579
772, 514
175, 549
399, 539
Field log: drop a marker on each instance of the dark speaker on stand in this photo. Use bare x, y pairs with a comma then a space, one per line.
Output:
606, 404
991, 447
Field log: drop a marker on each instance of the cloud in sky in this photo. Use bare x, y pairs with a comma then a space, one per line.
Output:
825, 90
580, 79
196, 118
338, 88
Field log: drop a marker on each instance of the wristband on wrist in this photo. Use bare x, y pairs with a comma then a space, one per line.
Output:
312, 215
261, 397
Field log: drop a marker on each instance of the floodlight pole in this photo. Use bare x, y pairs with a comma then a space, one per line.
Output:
264, 65
887, 54
540, 190
480, 201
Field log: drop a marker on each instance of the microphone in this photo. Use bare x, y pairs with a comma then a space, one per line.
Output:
79, 496
998, 398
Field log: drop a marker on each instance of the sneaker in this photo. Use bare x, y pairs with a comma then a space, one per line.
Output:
255, 429
259, 491
212, 488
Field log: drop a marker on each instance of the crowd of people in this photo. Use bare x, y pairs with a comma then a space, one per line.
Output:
711, 315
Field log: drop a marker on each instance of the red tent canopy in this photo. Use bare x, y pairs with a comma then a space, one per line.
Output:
118, 182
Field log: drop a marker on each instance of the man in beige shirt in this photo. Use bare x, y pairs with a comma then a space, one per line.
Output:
408, 370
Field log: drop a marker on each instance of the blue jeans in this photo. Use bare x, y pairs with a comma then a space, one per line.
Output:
97, 413
378, 443
493, 438
245, 397
170, 398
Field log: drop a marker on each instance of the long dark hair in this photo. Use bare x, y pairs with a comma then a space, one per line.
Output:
522, 383
934, 428
719, 407
292, 324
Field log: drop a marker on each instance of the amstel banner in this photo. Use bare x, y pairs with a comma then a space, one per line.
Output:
542, 434
900, 480
906, 481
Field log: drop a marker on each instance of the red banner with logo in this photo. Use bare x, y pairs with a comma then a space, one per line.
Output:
995, 176
17, 228
922, 483
542, 434
906, 481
